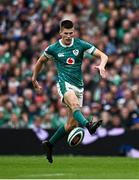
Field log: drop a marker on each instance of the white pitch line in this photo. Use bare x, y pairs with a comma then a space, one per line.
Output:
43, 175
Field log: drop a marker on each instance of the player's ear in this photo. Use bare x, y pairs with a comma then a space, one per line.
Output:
60, 32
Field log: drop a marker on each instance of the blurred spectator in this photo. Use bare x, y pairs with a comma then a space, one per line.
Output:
135, 120
69, 13
47, 121
125, 28
15, 122
106, 116
60, 118
3, 118
37, 128
115, 121
87, 112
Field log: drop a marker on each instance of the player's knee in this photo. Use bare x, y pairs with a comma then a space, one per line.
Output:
74, 106
70, 126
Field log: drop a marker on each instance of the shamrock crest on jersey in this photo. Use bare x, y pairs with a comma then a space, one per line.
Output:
75, 52
70, 61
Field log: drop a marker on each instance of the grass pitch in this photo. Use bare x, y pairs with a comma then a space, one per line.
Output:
68, 167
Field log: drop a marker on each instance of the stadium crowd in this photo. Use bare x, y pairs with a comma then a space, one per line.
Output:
27, 27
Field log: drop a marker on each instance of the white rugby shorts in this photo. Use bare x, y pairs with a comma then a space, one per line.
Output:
65, 86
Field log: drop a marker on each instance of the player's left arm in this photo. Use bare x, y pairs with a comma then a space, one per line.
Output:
103, 62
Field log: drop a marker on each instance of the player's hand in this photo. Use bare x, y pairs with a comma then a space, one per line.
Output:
36, 85
102, 71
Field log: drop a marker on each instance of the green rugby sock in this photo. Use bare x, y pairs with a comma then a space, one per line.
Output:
61, 132
80, 118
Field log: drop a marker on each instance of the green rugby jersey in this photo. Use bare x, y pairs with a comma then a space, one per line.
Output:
68, 59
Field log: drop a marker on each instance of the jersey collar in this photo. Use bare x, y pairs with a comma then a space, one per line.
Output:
63, 45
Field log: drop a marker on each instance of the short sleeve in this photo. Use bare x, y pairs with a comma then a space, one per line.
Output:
48, 52
88, 48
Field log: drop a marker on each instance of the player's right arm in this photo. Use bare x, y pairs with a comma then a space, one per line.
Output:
36, 70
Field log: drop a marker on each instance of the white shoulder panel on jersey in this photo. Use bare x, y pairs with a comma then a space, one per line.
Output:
90, 50
48, 55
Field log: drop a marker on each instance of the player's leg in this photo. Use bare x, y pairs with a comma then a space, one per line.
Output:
48, 145
64, 129
61, 132
72, 101
71, 123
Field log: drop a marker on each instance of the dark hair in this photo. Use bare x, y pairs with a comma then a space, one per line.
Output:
66, 24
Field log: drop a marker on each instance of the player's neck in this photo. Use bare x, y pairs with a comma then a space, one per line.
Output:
66, 45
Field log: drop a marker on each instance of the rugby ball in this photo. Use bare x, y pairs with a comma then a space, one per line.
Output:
75, 137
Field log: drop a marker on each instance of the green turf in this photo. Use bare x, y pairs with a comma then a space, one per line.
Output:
37, 167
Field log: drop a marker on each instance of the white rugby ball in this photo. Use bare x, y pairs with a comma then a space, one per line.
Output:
75, 137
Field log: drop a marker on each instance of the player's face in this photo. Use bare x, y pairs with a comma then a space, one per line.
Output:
67, 35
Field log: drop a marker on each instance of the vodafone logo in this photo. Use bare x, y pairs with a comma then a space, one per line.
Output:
70, 61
